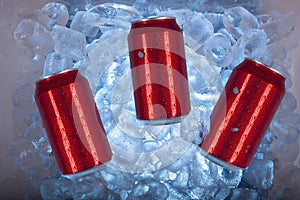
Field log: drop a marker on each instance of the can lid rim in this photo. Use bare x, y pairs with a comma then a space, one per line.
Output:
153, 18
267, 66
54, 74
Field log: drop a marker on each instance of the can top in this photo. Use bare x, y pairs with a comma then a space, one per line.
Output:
265, 73
266, 66
54, 74
160, 21
154, 18
58, 79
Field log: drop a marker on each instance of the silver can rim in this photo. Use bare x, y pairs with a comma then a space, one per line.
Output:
154, 18
56, 73
267, 66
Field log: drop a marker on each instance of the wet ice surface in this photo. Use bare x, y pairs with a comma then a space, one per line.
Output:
156, 162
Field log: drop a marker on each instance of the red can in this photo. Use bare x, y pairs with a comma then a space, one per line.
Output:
158, 69
243, 114
72, 122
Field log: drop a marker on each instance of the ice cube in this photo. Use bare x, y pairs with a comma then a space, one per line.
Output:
57, 12
230, 178
225, 74
194, 24
255, 43
69, 42
34, 36
148, 189
191, 125
164, 175
260, 174
127, 123
214, 191
205, 6
125, 141
182, 178
150, 146
275, 52
285, 152
218, 49
103, 97
238, 20
216, 19
142, 7
219, 6
107, 50
251, 44
243, 193
55, 189
113, 195
123, 88
23, 153
289, 102
55, 63
118, 179
231, 39
113, 15
187, 156
89, 187
176, 194
159, 132
200, 172
284, 72
107, 119
82, 22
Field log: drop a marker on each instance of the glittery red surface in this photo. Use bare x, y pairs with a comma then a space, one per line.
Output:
158, 69
72, 122
243, 113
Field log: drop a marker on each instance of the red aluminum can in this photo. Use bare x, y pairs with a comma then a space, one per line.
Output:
243, 114
158, 69
72, 122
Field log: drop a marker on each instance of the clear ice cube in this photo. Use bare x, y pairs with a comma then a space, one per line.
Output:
115, 178
82, 22
216, 19
194, 24
89, 188
113, 15
55, 63
69, 42
55, 189
275, 52
218, 49
260, 174
251, 44
228, 35
238, 20
57, 12
34, 36
289, 102
244, 193
148, 189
